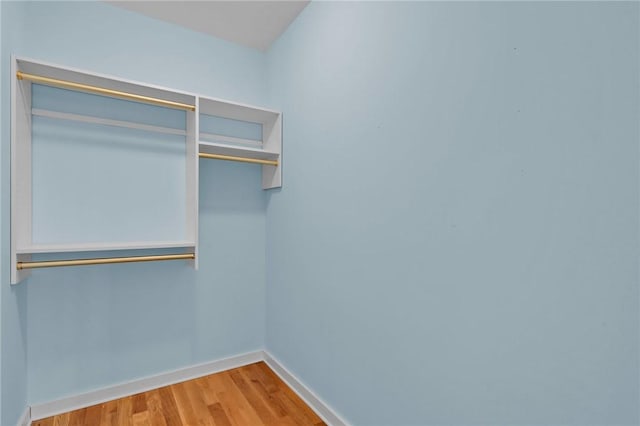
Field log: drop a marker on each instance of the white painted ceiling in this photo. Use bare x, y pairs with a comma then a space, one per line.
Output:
255, 24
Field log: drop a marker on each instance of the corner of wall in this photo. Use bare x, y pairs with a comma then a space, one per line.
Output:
1, 268
13, 377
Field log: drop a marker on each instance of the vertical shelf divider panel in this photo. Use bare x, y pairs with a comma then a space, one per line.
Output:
192, 171
22, 238
272, 142
20, 172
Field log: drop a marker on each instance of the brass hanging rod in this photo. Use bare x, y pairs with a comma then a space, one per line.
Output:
103, 261
102, 91
240, 159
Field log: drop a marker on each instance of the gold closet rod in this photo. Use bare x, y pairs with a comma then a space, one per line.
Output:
240, 159
102, 91
102, 261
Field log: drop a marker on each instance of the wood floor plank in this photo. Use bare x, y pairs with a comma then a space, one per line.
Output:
77, 418
187, 413
93, 415
169, 407
193, 409
200, 407
44, 422
231, 408
154, 408
139, 403
278, 392
298, 405
141, 418
260, 385
125, 411
237, 408
252, 395
109, 413
208, 394
266, 380
267, 416
273, 403
218, 415
62, 419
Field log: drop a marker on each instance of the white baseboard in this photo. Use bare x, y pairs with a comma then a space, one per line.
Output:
47, 409
321, 408
25, 418
63, 405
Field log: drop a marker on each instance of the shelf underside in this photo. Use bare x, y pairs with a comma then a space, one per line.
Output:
81, 247
222, 149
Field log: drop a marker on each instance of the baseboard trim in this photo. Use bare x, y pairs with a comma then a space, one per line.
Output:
322, 409
25, 418
87, 399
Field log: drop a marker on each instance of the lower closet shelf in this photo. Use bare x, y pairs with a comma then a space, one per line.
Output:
102, 261
51, 255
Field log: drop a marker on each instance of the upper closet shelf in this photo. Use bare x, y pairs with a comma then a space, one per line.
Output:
66, 78
237, 111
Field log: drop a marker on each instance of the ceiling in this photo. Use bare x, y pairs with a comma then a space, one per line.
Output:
255, 24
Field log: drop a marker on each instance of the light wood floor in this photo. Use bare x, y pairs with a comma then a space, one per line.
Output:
247, 396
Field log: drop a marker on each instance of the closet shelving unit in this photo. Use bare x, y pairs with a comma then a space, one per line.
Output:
26, 72
265, 151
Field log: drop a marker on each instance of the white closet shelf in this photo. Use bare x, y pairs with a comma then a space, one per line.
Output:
236, 111
237, 151
268, 149
104, 82
81, 247
106, 122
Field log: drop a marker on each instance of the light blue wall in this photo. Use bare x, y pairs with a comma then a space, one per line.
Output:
456, 240
90, 327
13, 306
1, 258
2, 83
86, 202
